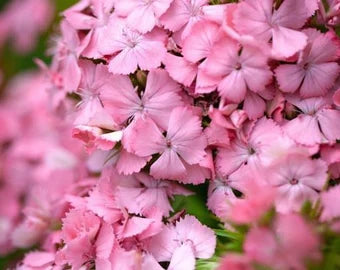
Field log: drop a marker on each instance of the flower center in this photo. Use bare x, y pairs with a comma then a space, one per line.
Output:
294, 181
168, 143
238, 66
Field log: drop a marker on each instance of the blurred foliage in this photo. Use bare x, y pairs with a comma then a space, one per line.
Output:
11, 62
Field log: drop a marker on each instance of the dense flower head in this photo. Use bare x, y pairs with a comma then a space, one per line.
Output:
153, 113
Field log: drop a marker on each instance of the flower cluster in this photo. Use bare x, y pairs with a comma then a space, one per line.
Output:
168, 97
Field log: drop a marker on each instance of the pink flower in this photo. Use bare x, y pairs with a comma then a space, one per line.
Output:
182, 243
86, 238
102, 200
143, 15
182, 15
161, 95
264, 144
252, 207
146, 193
240, 69
297, 179
290, 243
95, 23
315, 124
180, 147
130, 49
220, 197
316, 70
260, 19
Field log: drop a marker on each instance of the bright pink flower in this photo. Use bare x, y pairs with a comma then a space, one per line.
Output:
260, 19
182, 243
180, 146
239, 69
297, 178
130, 49
316, 123
315, 71
143, 15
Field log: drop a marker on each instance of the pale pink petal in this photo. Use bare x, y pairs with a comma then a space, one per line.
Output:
318, 79
135, 226
149, 139
289, 77
142, 18
120, 98
199, 44
125, 62
188, 142
220, 66
195, 174
38, 259
304, 129
251, 17
183, 258
329, 123
287, 42
293, 14
203, 238
160, 97
233, 87
149, 54
105, 241
180, 69
229, 159
150, 263
176, 16
168, 166
129, 163
254, 106
71, 73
